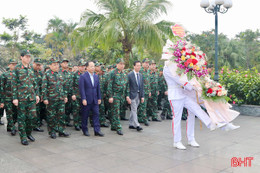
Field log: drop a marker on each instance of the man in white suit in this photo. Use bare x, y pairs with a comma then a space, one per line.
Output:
178, 99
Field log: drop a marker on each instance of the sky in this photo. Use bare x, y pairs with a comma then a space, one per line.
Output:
243, 15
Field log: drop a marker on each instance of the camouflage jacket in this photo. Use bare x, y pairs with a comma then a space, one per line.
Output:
38, 78
24, 87
1, 90
67, 76
117, 84
146, 79
53, 86
154, 82
6, 86
75, 84
160, 83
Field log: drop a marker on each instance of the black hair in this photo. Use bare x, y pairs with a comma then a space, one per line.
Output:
87, 64
137, 62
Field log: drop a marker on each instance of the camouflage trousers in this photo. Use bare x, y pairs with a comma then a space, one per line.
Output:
26, 118
56, 116
152, 106
11, 115
142, 110
159, 100
76, 112
68, 109
167, 109
102, 113
116, 111
123, 111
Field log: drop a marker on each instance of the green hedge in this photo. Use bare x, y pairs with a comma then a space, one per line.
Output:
243, 86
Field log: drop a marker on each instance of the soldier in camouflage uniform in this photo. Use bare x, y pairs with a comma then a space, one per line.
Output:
161, 95
142, 109
25, 96
102, 111
152, 101
55, 96
67, 76
166, 112
38, 78
117, 88
1, 101
7, 97
76, 101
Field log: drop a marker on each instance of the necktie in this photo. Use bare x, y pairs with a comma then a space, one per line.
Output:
138, 81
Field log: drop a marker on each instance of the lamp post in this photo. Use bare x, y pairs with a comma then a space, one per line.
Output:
215, 6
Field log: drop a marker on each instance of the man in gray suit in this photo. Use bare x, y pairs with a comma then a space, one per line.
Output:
136, 88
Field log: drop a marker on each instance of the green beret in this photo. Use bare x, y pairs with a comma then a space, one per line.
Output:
145, 60
37, 60
119, 60
25, 52
13, 61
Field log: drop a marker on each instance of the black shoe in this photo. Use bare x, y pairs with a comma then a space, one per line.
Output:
104, 125
69, 125
132, 127
162, 116
1, 123
77, 128
99, 134
25, 142
8, 130
31, 138
38, 129
113, 129
53, 135
119, 132
64, 134
155, 119
169, 118
159, 108
86, 133
146, 124
124, 119
138, 128
13, 132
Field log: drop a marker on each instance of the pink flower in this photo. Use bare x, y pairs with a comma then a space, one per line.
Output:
237, 71
234, 102
221, 72
230, 96
246, 75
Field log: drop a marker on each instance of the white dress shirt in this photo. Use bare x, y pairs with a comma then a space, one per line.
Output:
91, 78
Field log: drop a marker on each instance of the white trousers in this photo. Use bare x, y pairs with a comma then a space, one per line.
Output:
193, 109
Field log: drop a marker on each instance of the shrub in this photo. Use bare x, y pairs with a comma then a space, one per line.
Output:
243, 86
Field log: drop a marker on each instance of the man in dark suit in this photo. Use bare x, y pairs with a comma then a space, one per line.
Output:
91, 98
136, 87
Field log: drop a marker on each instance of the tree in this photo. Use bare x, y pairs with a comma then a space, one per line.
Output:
128, 23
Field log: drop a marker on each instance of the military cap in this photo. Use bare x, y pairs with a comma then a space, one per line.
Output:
82, 62
119, 60
53, 60
145, 60
152, 62
12, 61
97, 63
37, 60
25, 52
65, 59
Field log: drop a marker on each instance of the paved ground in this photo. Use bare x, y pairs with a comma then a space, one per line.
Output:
148, 151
